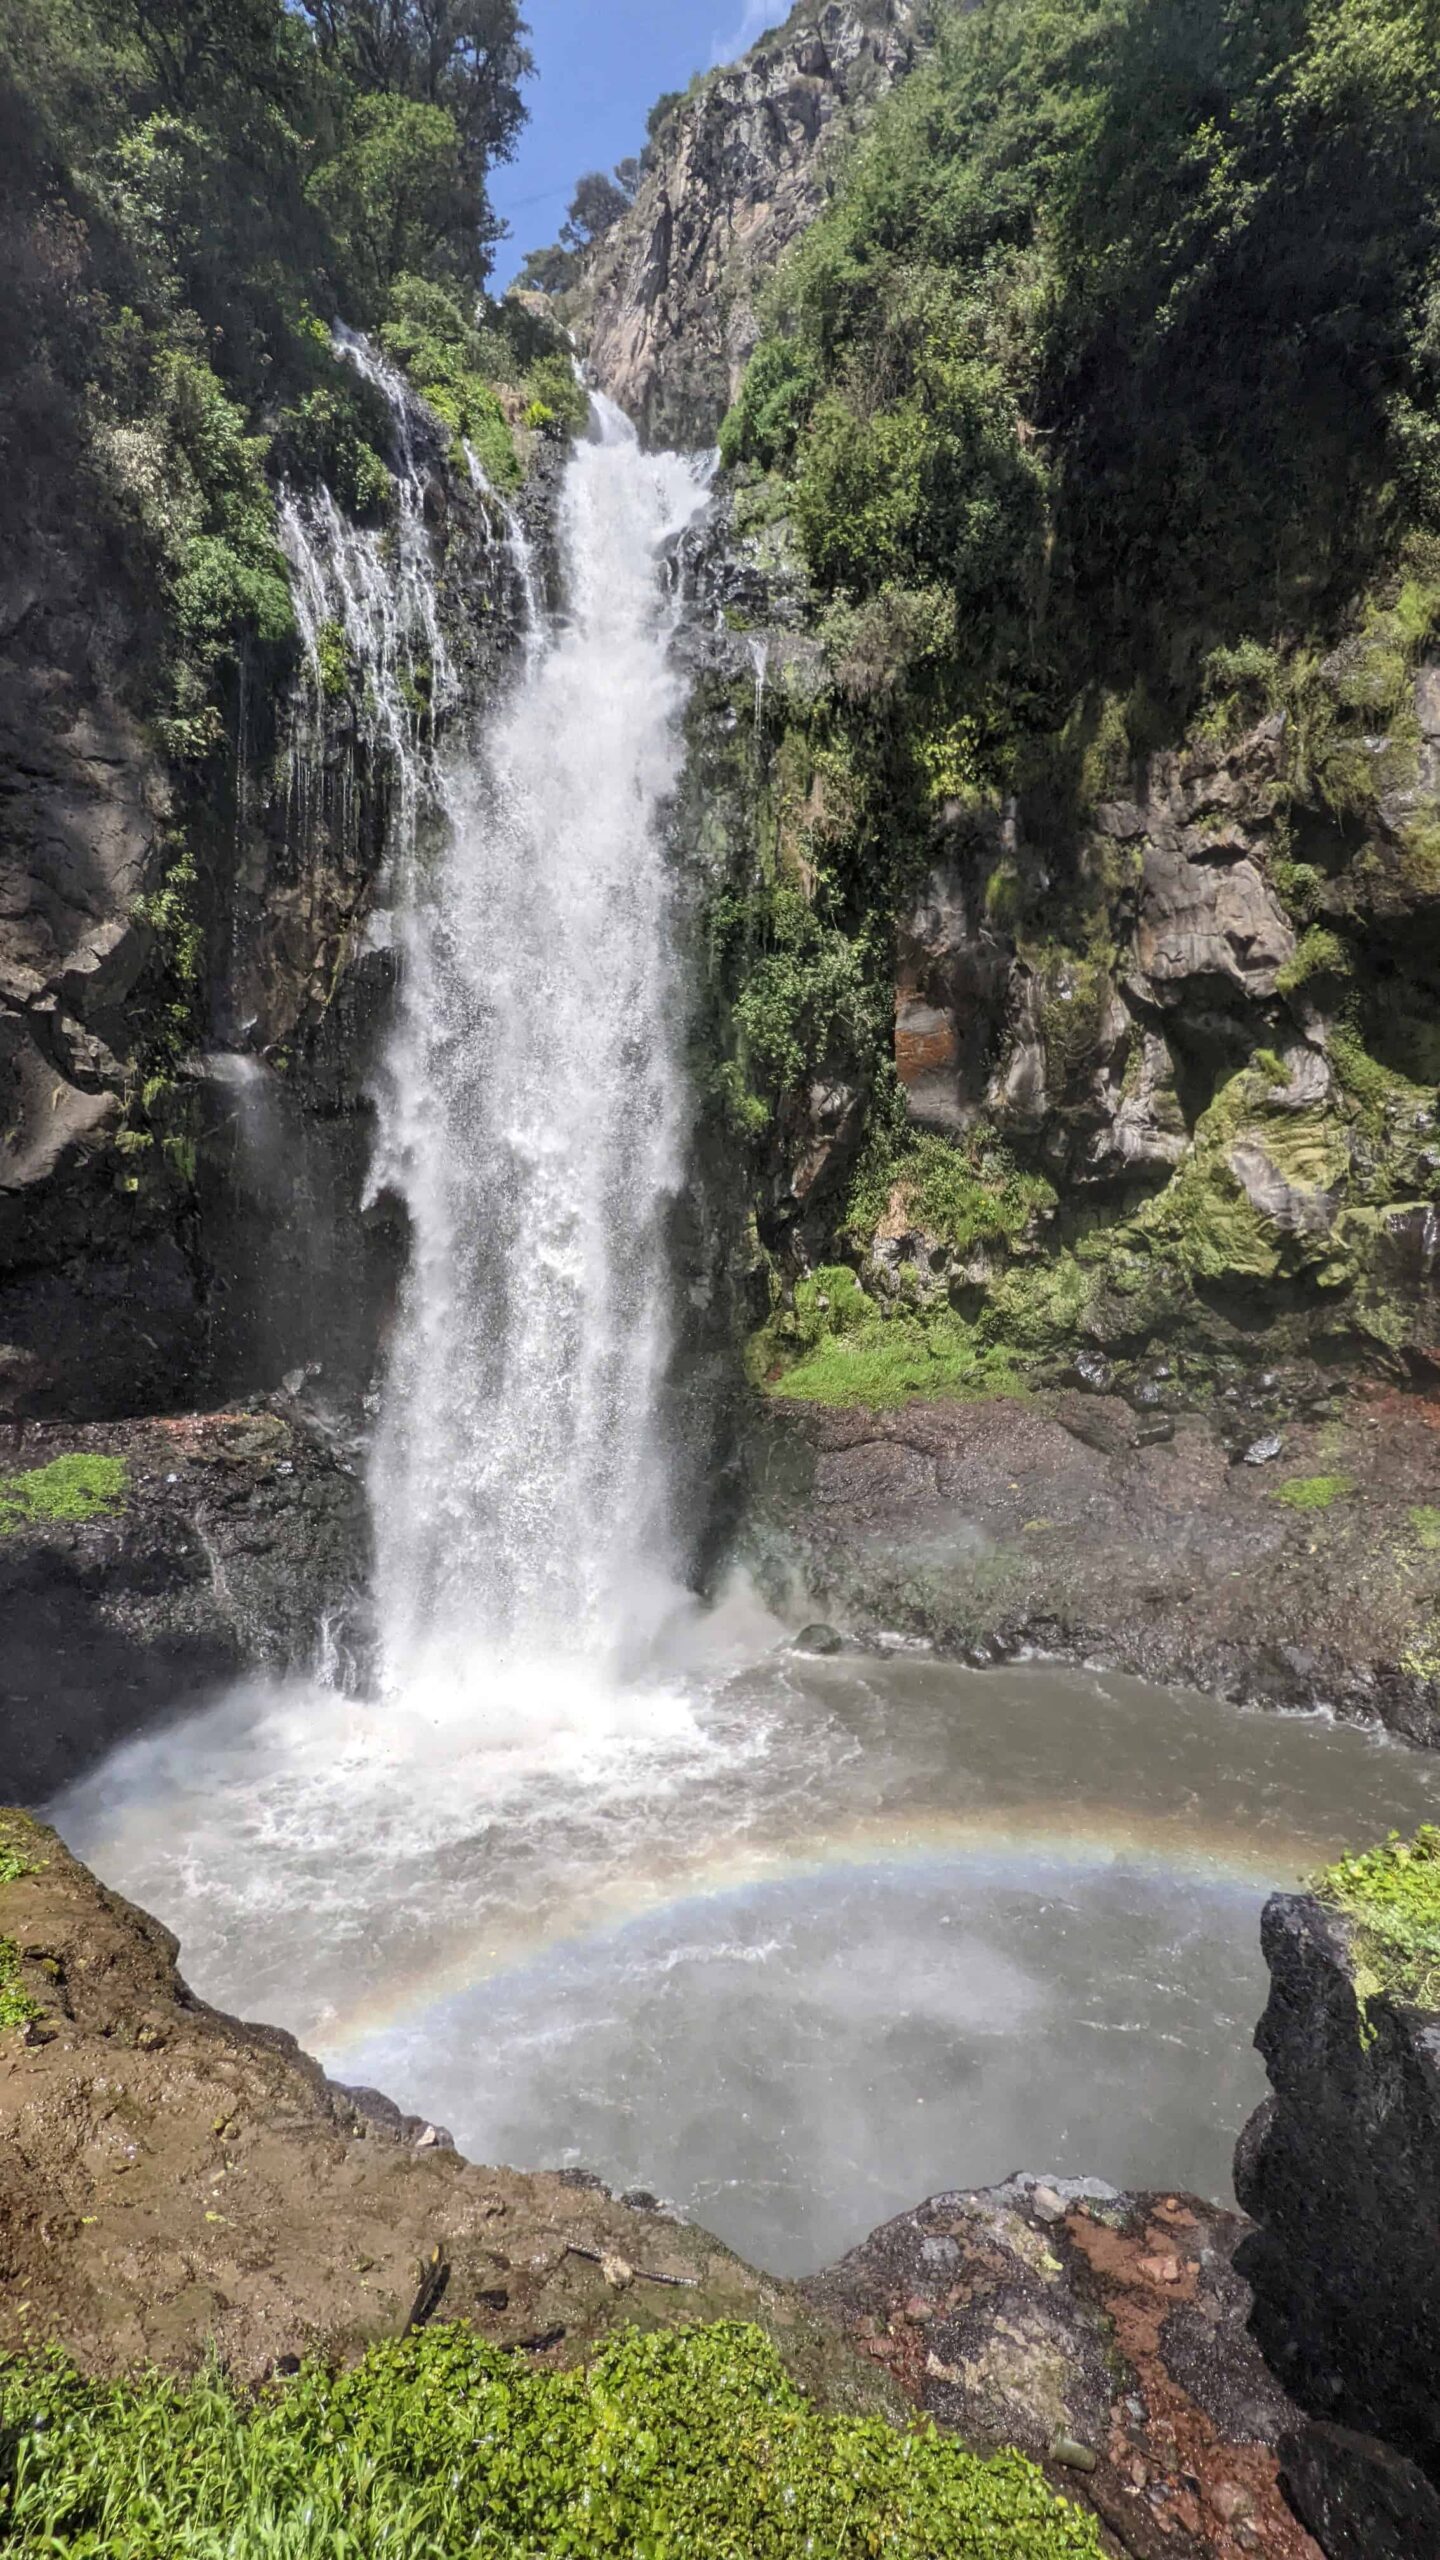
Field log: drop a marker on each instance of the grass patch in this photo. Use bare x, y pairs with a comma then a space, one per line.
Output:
1314, 1493
1391, 1897
81, 1487
893, 1360
694, 2446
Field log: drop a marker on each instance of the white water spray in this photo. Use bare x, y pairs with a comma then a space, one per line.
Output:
534, 1120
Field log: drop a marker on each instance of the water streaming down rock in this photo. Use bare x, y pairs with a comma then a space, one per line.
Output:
370, 593
534, 1120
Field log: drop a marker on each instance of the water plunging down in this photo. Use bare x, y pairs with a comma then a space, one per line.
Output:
534, 1120
598, 1878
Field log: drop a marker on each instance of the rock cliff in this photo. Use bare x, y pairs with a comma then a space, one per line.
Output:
667, 319
1138, 1060
1341, 2171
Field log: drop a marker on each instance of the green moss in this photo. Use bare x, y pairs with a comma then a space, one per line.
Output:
694, 2446
1391, 1897
1425, 1522
332, 657
1314, 1493
172, 912
1041, 1307
80, 1487
1318, 954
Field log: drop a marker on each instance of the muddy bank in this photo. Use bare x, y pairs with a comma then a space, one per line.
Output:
171, 2179
1290, 1558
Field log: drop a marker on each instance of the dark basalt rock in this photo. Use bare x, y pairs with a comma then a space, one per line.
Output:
1360, 2499
1342, 2175
241, 1541
1064, 1523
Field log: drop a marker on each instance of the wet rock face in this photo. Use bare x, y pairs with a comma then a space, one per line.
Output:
236, 1540
1103, 1069
738, 173
1341, 2172
1105, 2335
123, 1211
173, 2184
1128, 1530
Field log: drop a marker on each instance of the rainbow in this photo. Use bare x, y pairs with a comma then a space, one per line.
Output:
1011, 1847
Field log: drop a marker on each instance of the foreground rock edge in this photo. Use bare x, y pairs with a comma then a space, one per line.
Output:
173, 2181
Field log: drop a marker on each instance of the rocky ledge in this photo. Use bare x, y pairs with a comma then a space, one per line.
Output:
1341, 2168
1104, 2334
1291, 1559
173, 2181
144, 1564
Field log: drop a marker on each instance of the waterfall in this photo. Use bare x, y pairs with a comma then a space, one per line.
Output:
533, 1120
532, 1106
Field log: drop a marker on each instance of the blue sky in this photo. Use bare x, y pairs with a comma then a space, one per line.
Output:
602, 65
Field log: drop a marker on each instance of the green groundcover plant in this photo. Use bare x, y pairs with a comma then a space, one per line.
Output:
688, 2446
1391, 1897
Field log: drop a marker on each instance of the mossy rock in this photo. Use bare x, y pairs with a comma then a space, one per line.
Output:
82, 1486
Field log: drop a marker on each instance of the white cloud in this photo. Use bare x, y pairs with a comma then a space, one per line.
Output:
756, 19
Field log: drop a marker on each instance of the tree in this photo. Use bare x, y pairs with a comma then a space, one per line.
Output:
397, 198
190, 46
548, 271
467, 56
595, 208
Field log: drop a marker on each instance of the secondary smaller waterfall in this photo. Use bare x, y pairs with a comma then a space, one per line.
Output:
534, 1120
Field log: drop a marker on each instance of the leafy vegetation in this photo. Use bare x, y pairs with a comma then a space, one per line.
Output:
833, 1345
1391, 1898
190, 194
1097, 410
16, 1858
696, 2445
83, 1486
17, 2007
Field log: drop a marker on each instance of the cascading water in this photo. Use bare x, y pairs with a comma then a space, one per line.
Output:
534, 1121
598, 1879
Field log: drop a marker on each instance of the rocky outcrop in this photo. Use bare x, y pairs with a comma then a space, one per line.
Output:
1341, 2171
161, 927
173, 2184
1129, 1531
736, 173
1103, 2334
204, 1545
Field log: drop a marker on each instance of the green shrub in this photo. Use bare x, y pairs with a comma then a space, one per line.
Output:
696, 2446
968, 1193
1318, 954
81, 1487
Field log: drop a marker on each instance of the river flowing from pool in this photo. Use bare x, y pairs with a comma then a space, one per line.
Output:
599, 1877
